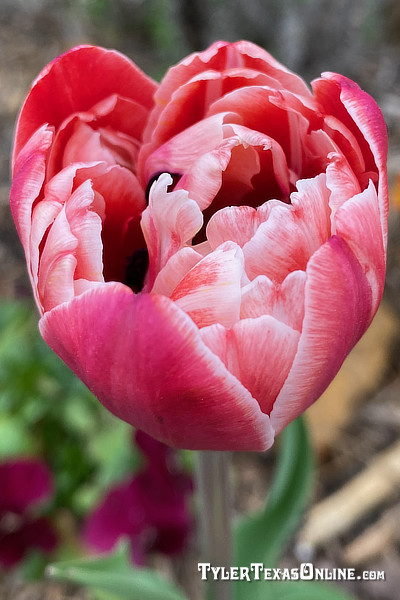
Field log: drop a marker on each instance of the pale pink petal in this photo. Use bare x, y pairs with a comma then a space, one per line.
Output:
247, 167
284, 301
72, 249
259, 352
248, 137
265, 349
180, 151
204, 178
337, 313
43, 216
84, 142
86, 227
57, 264
358, 223
347, 143
56, 192
291, 233
143, 358
28, 177
233, 223
174, 271
83, 285
211, 291
169, 222
342, 183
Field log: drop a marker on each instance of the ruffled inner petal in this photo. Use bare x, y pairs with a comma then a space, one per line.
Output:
290, 235
169, 222
211, 290
284, 302
259, 352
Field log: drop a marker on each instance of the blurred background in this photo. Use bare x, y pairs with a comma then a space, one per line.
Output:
45, 413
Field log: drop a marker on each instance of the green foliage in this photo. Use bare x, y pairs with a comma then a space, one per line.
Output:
46, 411
260, 538
114, 574
304, 590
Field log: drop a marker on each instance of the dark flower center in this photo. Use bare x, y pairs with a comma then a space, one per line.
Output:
136, 269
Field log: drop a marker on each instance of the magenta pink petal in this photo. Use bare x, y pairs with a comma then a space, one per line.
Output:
15, 545
24, 483
143, 358
118, 515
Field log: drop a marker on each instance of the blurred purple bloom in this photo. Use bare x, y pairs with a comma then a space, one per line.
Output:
24, 484
149, 508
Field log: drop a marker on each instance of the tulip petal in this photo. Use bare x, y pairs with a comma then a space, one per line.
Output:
283, 301
259, 112
290, 235
341, 181
76, 81
28, 178
143, 358
259, 352
222, 58
175, 270
344, 99
168, 223
358, 223
337, 312
211, 291
124, 202
179, 152
235, 223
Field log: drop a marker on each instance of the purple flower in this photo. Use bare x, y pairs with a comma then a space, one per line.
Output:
149, 509
24, 484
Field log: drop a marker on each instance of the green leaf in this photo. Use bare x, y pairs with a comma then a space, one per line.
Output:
14, 439
304, 590
261, 537
115, 574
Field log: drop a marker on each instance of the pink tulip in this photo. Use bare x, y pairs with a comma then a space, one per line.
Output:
216, 314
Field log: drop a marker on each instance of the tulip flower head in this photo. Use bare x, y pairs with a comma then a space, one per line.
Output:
204, 252
24, 484
149, 509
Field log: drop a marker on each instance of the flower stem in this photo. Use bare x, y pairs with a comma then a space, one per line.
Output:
215, 498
